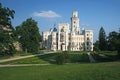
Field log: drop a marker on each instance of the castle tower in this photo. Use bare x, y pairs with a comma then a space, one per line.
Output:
75, 23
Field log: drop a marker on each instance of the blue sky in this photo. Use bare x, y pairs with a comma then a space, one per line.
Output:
92, 13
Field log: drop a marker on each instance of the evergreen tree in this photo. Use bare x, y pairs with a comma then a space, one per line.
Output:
102, 39
28, 34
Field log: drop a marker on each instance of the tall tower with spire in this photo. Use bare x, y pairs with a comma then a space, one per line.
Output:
75, 23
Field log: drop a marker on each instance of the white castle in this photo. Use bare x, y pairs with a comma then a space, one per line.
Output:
68, 39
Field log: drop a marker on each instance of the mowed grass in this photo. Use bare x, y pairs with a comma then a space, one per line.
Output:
86, 71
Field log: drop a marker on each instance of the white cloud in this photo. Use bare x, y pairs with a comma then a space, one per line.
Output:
46, 14
85, 25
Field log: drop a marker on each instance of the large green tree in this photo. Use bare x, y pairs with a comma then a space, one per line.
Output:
6, 15
6, 30
102, 40
118, 44
114, 41
28, 35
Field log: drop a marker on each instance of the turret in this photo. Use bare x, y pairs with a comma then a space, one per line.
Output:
75, 23
75, 14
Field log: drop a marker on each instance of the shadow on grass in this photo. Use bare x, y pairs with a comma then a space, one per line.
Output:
79, 58
50, 58
71, 57
105, 56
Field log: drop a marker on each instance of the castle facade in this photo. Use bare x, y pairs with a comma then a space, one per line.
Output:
68, 38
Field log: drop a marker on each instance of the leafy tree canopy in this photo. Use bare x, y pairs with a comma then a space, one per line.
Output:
6, 15
6, 31
28, 34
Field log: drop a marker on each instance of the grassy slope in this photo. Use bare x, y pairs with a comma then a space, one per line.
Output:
15, 55
94, 71
49, 58
74, 57
105, 56
18, 54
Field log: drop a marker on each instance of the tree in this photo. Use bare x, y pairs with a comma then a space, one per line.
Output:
112, 39
102, 39
28, 35
118, 44
6, 31
6, 15
114, 42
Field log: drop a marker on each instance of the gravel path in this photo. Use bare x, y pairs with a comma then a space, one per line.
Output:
90, 57
17, 65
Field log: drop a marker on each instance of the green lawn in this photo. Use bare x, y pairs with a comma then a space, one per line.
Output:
86, 71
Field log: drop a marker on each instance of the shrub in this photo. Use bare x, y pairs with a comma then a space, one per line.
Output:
62, 58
